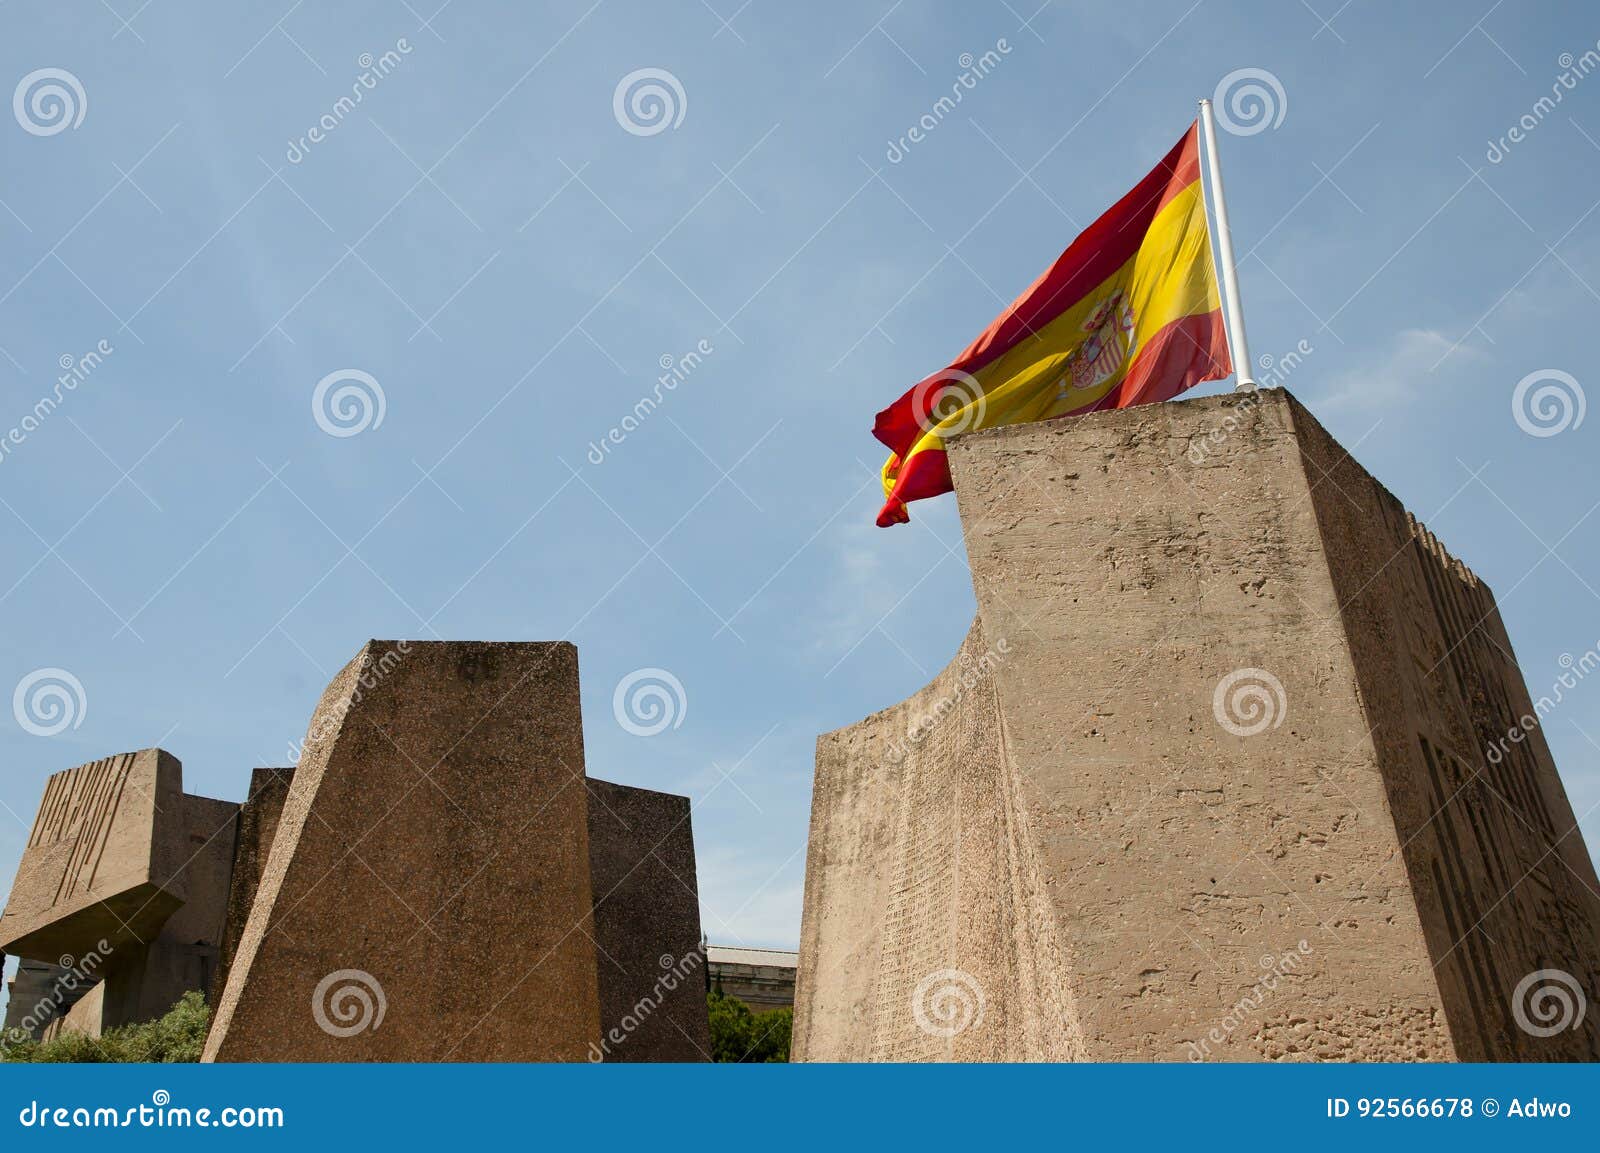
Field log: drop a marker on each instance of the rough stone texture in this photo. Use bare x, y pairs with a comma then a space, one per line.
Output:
258, 823
184, 955
431, 832
101, 862
920, 895
647, 926
87, 1016
124, 881
1076, 837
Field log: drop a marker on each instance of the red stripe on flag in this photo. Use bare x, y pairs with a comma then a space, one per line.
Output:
1102, 248
1179, 356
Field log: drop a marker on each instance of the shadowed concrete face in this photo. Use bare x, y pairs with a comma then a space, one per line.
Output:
647, 927
426, 887
1211, 777
258, 824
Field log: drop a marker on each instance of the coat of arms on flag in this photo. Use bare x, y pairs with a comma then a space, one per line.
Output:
1128, 314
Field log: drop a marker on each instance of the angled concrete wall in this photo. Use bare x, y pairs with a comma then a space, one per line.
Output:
431, 833
923, 901
651, 970
1236, 750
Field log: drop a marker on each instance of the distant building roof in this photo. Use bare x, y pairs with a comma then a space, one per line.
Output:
732, 955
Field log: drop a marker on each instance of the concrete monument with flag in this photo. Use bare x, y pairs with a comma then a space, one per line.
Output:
1220, 770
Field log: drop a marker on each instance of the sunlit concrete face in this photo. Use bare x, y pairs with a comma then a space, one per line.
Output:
1219, 773
123, 885
443, 882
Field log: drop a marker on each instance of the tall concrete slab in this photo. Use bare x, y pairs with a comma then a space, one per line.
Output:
1216, 775
427, 892
652, 970
257, 825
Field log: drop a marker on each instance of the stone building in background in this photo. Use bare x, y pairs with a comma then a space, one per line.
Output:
1235, 763
762, 978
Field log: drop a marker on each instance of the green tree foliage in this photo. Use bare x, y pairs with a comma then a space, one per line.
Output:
179, 1036
738, 1035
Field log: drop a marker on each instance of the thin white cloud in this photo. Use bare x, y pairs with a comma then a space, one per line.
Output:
1400, 373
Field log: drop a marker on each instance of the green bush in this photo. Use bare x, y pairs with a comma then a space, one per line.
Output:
179, 1036
738, 1035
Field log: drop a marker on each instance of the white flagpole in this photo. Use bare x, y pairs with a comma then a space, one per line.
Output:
1244, 370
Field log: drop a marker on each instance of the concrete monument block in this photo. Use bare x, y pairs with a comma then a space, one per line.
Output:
652, 972
257, 824
1221, 771
124, 885
103, 858
436, 828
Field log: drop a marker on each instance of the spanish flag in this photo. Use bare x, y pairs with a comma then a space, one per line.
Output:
1128, 314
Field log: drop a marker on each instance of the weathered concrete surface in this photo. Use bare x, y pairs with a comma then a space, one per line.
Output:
1080, 847
919, 893
100, 861
86, 1016
652, 975
257, 825
433, 829
124, 882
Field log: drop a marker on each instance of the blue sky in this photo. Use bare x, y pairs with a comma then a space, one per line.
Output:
484, 238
